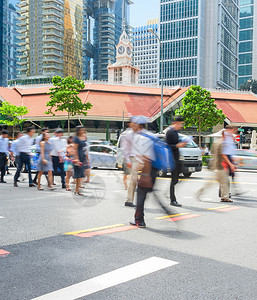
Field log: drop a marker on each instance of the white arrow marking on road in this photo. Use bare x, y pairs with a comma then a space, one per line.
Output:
110, 279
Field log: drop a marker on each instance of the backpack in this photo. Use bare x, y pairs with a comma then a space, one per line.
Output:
164, 159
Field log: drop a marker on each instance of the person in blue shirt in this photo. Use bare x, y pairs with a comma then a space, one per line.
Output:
15, 155
4, 153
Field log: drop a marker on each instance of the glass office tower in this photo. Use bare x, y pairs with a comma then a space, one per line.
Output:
145, 52
108, 28
69, 37
8, 40
200, 42
248, 41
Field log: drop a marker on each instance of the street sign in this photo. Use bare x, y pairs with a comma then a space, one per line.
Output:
241, 129
237, 138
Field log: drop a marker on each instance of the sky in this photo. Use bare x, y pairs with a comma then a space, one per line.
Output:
142, 10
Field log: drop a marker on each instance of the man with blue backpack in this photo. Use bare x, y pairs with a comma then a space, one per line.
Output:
152, 155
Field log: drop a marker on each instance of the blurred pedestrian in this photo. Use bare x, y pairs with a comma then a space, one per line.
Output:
38, 148
45, 161
15, 155
68, 162
87, 165
144, 154
172, 139
79, 141
229, 147
221, 171
58, 153
126, 158
4, 153
127, 143
24, 148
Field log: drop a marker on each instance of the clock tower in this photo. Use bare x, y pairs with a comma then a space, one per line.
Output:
122, 71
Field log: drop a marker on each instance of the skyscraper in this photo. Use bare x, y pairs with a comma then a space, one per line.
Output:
248, 41
8, 40
109, 16
69, 37
145, 52
200, 42
51, 38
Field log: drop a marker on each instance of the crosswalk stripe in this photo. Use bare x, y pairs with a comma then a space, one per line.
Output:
110, 279
106, 231
94, 229
189, 216
219, 207
170, 216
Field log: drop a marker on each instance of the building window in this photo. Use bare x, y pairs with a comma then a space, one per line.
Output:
118, 75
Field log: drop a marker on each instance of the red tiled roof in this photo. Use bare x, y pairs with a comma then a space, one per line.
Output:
233, 96
111, 101
239, 111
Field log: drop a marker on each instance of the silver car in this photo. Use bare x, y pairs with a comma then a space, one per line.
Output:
102, 156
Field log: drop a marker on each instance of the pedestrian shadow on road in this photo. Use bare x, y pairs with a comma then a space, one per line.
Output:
175, 233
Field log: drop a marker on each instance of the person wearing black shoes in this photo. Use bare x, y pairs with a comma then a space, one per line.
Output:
172, 139
58, 153
24, 148
38, 149
4, 153
143, 148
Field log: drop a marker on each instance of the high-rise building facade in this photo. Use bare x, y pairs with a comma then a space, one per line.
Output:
248, 41
146, 52
200, 42
51, 33
109, 16
8, 40
69, 37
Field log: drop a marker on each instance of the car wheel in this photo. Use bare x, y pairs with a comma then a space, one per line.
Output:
161, 173
187, 175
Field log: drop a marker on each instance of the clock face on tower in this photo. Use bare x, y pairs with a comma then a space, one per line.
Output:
121, 49
128, 51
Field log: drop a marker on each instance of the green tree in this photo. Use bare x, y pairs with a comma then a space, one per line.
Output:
250, 85
200, 110
64, 97
13, 115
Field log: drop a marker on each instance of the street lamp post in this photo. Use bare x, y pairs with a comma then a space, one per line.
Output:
161, 50
250, 82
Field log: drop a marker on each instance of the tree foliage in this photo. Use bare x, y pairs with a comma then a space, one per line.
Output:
64, 97
13, 115
199, 110
251, 85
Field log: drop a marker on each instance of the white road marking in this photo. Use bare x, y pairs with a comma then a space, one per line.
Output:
110, 279
207, 198
187, 197
2, 217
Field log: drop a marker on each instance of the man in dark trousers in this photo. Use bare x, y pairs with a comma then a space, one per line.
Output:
4, 153
172, 139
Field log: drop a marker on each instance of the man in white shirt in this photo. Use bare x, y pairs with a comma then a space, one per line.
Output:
132, 163
143, 149
59, 149
24, 148
38, 149
4, 153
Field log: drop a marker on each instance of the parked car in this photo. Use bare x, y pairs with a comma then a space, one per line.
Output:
102, 156
246, 159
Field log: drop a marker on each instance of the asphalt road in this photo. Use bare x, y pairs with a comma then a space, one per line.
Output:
51, 240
